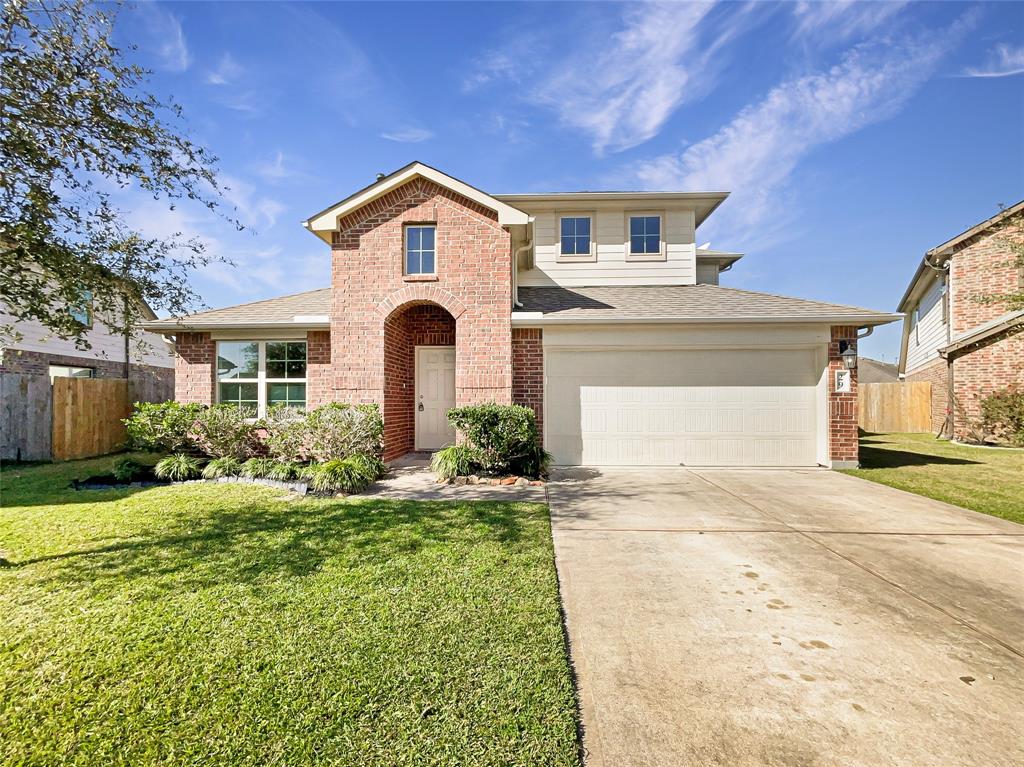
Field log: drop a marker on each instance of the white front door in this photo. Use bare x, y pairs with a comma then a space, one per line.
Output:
435, 396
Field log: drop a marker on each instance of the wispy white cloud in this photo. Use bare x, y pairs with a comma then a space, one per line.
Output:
279, 168
227, 71
408, 135
1004, 61
755, 154
842, 19
162, 37
254, 209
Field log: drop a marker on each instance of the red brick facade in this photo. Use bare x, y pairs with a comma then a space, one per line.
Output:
984, 266
842, 407
936, 374
318, 368
26, 362
981, 371
419, 325
528, 371
195, 363
473, 283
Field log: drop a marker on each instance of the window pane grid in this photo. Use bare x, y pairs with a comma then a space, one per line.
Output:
419, 249
256, 375
644, 235
575, 236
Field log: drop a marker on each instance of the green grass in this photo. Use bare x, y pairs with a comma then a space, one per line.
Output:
230, 624
989, 480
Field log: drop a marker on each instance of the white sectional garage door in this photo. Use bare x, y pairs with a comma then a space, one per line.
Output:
708, 407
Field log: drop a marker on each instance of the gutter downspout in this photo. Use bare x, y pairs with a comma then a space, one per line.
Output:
515, 272
948, 428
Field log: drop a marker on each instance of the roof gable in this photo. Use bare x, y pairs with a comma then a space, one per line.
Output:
326, 221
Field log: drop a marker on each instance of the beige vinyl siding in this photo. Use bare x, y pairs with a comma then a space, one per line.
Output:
707, 274
930, 334
611, 266
35, 337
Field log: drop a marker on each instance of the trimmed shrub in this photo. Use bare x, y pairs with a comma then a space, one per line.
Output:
453, 461
258, 468
286, 434
178, 467
338, 430
127, 470
222, 467
502, 438
222, 431
347, 475
162, 426
1002, 414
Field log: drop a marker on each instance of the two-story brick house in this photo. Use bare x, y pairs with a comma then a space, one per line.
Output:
596, 309
954, 335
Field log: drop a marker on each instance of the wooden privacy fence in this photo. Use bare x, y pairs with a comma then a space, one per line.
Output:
899, 407
73, 418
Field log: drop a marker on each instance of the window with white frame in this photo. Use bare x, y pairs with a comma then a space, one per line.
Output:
71, 371
645, 234
575, 241
420, 249
257, 375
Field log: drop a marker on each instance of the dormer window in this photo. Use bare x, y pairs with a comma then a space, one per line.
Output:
575, 240
645, 242
420, 249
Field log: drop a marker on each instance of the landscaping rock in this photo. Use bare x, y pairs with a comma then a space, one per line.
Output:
508, 481
473, 479
522, 482
461, 481
537, 482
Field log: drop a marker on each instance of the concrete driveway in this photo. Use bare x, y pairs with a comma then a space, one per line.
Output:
729, 617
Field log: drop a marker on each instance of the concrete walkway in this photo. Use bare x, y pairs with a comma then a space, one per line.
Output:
788, 618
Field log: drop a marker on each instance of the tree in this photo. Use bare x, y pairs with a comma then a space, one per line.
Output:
1010, 235
75, 123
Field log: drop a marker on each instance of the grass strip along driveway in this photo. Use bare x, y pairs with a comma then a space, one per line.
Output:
230, 624
985, 479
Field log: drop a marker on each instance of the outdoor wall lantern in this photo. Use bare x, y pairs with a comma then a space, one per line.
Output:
849, 355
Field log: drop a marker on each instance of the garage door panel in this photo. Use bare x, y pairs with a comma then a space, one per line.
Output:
671, 407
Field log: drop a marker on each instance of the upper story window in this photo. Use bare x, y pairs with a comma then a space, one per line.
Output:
645, 235
420, 249
575, 240
257, 375
71, 371
82, 310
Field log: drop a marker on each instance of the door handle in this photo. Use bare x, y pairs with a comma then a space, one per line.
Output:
420, 407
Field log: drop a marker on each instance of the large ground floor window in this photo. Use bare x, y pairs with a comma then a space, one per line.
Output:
257, 375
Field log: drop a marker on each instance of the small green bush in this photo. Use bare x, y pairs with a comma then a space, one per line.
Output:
222, 467
127, 470
178, 467
222, 431
503, 438
162, 426
1002, 414
258, 468
283, 471
347, 475
453, 461
286, 434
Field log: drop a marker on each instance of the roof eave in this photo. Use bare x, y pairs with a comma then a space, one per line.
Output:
202, 327
866, 320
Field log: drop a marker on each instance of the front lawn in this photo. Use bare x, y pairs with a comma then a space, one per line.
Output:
985, 479
230, 624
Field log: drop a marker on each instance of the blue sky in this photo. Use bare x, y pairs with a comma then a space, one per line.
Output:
853, 136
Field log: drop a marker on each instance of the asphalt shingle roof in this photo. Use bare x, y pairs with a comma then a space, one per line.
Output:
682, 302
282, 309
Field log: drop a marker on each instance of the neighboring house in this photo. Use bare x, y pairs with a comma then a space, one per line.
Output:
37, 351
875, 371
596, 309
965, 346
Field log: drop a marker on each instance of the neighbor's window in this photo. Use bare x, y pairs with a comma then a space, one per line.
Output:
70, 371
645, 235
575, 236
420, 249
256, 375
82, 310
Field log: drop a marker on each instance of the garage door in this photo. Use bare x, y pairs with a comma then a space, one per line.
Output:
693, 407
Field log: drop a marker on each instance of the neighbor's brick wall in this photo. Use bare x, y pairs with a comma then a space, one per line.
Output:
473, 284
420, 325
194, 368
935, 374
982, 371
984, 266
38, 363
528, 371
842, 408
318, 368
